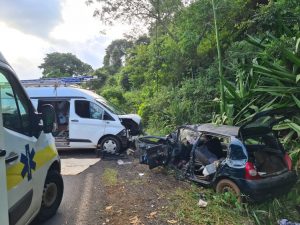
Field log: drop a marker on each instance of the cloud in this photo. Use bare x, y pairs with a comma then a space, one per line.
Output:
37, 17
32, 28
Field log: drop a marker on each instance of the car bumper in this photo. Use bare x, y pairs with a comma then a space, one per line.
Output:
259, 190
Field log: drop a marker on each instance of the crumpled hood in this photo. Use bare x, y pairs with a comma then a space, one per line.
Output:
135, 117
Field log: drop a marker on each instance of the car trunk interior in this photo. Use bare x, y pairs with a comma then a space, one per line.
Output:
265, 151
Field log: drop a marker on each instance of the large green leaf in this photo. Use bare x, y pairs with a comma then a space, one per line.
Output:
297, 101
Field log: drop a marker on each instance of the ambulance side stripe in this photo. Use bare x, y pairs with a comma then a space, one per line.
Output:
41, 157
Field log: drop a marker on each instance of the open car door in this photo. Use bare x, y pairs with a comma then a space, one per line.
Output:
266, 120
155, 151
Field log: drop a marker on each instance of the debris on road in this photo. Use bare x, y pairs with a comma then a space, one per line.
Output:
172, 221
108, 208
202, 203
141, 174
121, 162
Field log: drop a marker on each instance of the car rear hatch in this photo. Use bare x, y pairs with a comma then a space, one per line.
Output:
266, 156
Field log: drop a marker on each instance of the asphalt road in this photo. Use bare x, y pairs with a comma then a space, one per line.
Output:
83, 193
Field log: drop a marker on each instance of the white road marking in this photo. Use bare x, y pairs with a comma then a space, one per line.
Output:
72, 166
84, 201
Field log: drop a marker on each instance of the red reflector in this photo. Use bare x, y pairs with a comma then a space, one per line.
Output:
251, 173
288, 161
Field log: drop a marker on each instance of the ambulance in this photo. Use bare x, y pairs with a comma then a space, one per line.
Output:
31, 186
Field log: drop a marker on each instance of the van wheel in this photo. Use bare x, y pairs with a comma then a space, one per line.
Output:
110, 144
226, 185
52, 195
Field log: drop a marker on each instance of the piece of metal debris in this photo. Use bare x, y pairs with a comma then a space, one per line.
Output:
121, 162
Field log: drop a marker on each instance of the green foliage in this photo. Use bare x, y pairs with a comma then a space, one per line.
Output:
64, 65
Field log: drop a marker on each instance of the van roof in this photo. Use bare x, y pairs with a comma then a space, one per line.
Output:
50, 92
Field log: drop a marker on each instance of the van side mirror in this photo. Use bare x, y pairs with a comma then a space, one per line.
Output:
48, 117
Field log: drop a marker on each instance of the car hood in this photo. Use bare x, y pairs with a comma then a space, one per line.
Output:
135, 117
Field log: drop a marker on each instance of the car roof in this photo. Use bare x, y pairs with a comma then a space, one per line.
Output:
224, 130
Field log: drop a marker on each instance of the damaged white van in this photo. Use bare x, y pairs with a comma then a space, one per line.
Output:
85, 119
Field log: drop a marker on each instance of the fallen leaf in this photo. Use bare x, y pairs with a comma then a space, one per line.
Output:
135, 220
172, 221
151, 215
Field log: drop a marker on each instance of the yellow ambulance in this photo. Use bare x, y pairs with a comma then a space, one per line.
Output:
31, 186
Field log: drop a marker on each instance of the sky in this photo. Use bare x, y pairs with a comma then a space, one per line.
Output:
29, 29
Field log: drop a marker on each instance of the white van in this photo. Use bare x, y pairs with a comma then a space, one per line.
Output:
31, 185
85, 119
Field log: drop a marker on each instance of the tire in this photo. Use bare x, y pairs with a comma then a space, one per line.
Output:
226, 185
110, 144
52, 195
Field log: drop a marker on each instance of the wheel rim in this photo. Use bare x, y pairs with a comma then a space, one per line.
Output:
228, 189
50, 194
110, 146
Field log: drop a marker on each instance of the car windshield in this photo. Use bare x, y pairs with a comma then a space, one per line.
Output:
110, 106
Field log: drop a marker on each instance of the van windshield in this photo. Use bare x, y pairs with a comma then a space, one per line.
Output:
109, 106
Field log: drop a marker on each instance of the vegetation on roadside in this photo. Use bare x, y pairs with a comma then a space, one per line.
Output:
224, 208
110, 177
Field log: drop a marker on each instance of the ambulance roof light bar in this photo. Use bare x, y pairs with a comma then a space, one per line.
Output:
62, 81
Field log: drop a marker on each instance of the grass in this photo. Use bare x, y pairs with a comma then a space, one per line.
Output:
110, 177
224, 209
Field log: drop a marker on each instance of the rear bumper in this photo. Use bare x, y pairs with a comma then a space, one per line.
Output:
259, 190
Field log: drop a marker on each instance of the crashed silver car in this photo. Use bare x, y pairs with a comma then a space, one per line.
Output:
248, 160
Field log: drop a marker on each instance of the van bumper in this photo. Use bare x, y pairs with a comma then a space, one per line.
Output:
124, 141
259, 190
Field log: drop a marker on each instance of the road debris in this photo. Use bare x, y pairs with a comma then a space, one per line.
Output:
108, 208
141, 174
202, 203
121, 162
172, 221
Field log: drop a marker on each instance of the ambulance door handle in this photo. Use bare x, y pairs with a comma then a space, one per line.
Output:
11, 157
74, 120
2, 153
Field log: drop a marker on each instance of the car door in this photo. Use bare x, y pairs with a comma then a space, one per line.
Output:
19, 143
86, 124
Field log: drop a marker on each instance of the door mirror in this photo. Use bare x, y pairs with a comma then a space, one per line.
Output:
48, 117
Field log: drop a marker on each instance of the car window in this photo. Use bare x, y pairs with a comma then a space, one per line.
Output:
236, 152
90, 110
14, 107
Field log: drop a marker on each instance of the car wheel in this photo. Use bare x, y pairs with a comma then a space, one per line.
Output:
110, 145
52, 195
226, 185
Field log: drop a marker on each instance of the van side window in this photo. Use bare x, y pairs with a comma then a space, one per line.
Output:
86, 109
14, 108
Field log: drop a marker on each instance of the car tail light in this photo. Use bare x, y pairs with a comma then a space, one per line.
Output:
288, 161
251, 172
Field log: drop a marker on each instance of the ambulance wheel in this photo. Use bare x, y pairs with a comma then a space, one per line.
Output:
226, 185
110, 144
52, 195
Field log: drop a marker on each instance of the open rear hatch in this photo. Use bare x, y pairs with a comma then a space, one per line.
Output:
263, 146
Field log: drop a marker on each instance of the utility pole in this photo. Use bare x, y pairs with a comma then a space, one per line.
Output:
221, 76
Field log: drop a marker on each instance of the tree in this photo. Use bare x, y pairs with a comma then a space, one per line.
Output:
115, 54
141, 13
64, 65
